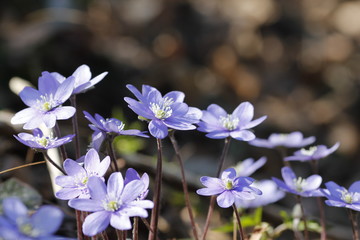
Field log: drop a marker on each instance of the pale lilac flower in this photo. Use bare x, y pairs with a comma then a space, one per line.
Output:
270, 194
163, 112
83, 81
290, 140
228, 187
249, 166
17, 223
75, 182
341, 197
44, 105
110, 126
113, 204
217, 123
131, 175
38, 141
313, 153
305, 187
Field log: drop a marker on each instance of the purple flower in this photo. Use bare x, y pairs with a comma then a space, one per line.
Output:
38, 141
44, 105
313, 153
341, 197
131, 175
229, 187
75, 183
219, 124
249, 166
291, 140
308, 187
113, 204
163, 112
83, 81
270, 194
16, 223
110, 126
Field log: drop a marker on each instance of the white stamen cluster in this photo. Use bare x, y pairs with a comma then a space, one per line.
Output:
308, 152
111, 205
229, 122
350, 197
46, 102
163, 110
299, 183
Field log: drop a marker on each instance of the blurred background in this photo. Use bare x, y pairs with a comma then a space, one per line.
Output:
296, 61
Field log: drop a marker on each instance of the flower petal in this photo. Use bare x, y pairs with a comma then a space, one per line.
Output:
158, 129
96, 223
47, 220
68, 193
216, 110
14, 208
88, 205
65, 90
288, 176
24, 116
97, 188
115, 184
312, 183
218, 134
64, 112
73, 168
245, 112
242, 135
30, 96
226, 199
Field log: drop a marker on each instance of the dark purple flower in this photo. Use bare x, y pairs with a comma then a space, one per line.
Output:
341, 197
110, 126
249, 166
131, 175
270, 194
44, 105
17, 223
83, 81
219, 124
163, 112
38, 141
305, 187
228, 187
313, 153
113, 204
75, 182
291, 140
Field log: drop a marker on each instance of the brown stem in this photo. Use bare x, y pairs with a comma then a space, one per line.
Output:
22, 166
111, 152
241, 231
136, 229
282, 152
53, 163
157, 193
212, 200
62, 147
78, 225
306, 231
354, 224
75, 127
184, 184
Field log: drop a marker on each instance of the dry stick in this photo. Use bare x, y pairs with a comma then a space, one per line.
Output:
212, 199
135, 232
22, 166
303, 217
52, 162
241, 231
184, 183
156, 199
354, 224
62, 147
75, 127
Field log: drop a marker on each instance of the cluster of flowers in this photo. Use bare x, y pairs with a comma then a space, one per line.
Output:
116, 201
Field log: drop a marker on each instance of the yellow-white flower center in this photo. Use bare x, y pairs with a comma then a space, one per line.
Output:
300, 183
46, 103
163, 110
350, 197
111, 206
308, 152
43, 141
229, 122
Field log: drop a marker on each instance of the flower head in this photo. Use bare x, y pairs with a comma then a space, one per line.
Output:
305, 187
291, 140
112, 204
75, 182
249, 166
228, 187
82, 76
163, 112
217, 123
341, 197
270, 194
16, 223
131, 175
110, 126
313, 153
44, 105
38, 141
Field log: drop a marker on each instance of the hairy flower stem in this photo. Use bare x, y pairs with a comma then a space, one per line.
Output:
184, 183
212, 200
79, 224
22, 166
75, 127
354, 224
157, 193
135, 231
303, 216
62, 147
111, 152
47, 157
241, 231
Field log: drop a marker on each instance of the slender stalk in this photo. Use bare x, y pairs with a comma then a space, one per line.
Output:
241, 231
79, 224
119, 234
282, 152
62, 147
22, 166
306, 231
112, 152
212, 200
135, 232
75, 125
234, 226
147, 225
184, 184
157, 193
104, 235
53, 163
354, 224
